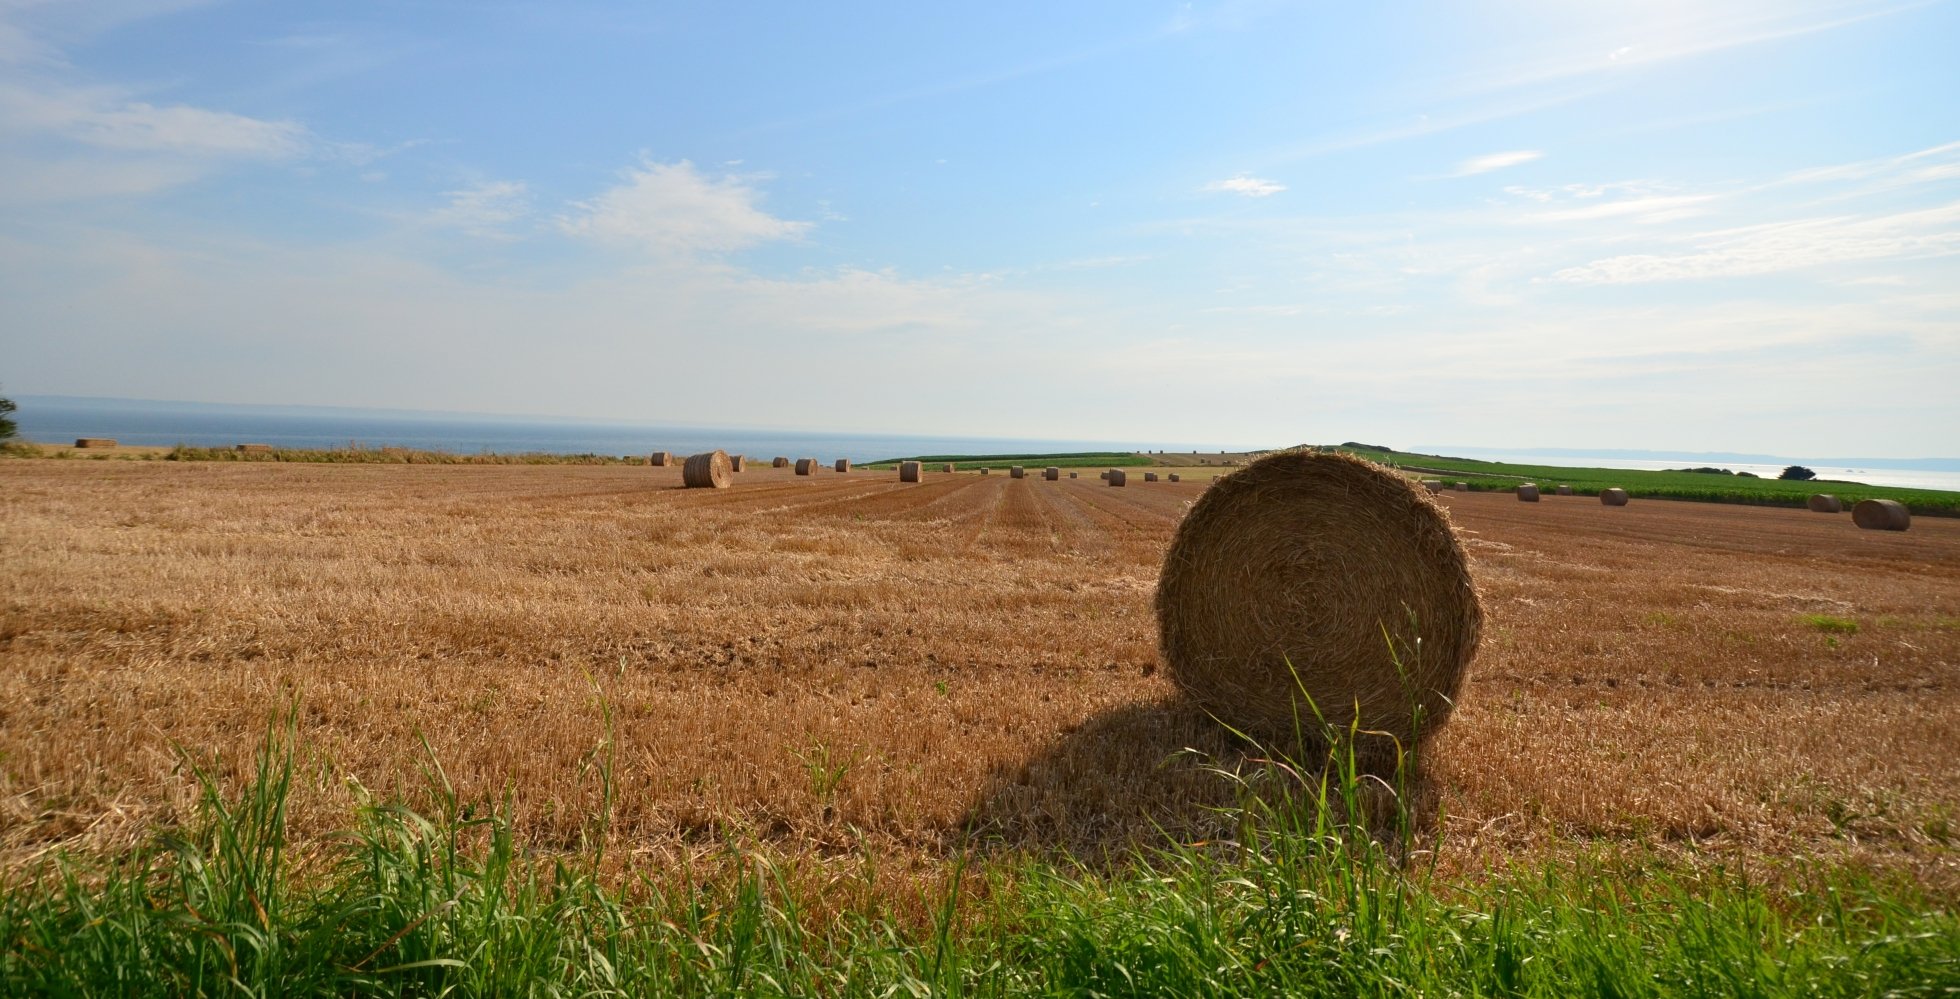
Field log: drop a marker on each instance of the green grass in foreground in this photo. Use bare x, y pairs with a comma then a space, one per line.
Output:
1494, 475
451, 904
969, 462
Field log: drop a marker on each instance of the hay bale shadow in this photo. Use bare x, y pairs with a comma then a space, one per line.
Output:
1141, 777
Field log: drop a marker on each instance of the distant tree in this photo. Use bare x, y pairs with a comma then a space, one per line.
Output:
1797, 473
8, 429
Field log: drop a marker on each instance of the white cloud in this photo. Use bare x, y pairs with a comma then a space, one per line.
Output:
1251, 187
484, 209
1782, 246
672, 208
1495, 161
109, 120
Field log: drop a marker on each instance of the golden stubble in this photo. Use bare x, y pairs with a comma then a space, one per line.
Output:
842, 665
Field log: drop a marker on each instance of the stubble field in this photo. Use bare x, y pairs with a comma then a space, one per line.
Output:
844, 666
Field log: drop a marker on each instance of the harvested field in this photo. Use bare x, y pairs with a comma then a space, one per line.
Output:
972, 658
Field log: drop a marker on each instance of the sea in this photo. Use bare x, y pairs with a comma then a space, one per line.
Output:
1931, 473
61, 419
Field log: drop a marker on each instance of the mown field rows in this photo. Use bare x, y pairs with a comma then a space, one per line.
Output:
847, 666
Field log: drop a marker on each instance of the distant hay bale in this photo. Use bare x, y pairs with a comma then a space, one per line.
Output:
1613, 497
1072, 475
1104, 476
1118, 477
95, 442
709, 470
1564, 490
252, 448
1528, 492
1320, 574
946, 467
986, 471
738, 463
1433, 485
843, 464
806, 466
1881, 515
779, 462
661, 458
1174, 477
1150, 476
1826, 503
1462, 487
908, 471
1015, 471
1051, 473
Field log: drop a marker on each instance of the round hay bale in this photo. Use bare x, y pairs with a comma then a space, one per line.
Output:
1564, 490
1103, 476
1433, 485
986, 471
1015, 471
946, 467
1881, 515
806, 466
1528, 493
1462, 487
1826, 503
1174, 477
1613, 497
738, 463
1320, 574
661, 458
1118, 477
1150, 476
1072, 475
843, 464
908, 471
1051, 473
709, 470
779, 462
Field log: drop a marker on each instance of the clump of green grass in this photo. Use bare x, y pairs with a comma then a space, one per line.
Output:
1831, 624
1305, 899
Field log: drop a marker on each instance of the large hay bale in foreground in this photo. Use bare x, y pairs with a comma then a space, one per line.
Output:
806, 466
908, 471
1330, 569
1051, 473
660, 458
1015, 471
1826, 503
1528, 493
738, 463
95, 442
843, 464
1881, 515
779, 462
1564, 490
1118, 477
1613, 497
709, 470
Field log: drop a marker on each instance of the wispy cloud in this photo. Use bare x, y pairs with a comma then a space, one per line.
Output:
1783, 246
673, 208
1251, 187
485, 209
106, 119
1495, 161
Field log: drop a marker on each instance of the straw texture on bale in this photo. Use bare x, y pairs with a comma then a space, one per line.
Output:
738, 463
1051, 473
1826, 503
946, 467
806, 466
843, 464
908, 471
1528, 493
1117, 477
1015, 471
1174, 477
1613, 497
779, 462
1322, 574
1150, 476
1462, 487
708, 470
95, 442
1564, 490
1881, 515
661, 458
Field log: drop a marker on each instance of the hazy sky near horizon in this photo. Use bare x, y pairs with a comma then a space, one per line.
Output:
1668, 225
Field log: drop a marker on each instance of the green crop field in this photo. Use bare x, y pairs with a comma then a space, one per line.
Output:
1681, 485
970, 462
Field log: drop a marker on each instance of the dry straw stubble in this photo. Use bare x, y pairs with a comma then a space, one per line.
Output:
708, 470
1324, 575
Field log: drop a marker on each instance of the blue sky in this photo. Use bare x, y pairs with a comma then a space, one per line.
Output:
1669, 225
